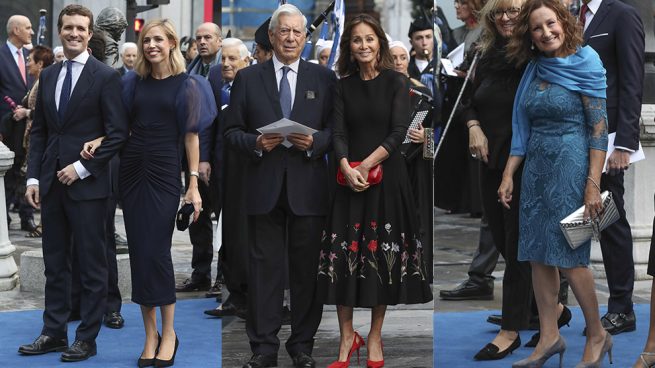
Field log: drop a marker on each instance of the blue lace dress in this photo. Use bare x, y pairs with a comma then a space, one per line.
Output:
564, 125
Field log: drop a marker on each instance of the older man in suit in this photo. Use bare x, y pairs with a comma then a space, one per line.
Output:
128, 57
616, 32
15, 81
287, 187
78, 101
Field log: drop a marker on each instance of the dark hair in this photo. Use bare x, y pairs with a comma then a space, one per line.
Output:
519, 48
190, 42
75, 9
98, 46
43, 54
346, 65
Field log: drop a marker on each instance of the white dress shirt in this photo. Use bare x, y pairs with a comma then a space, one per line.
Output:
291, 77
592, 6
13, 50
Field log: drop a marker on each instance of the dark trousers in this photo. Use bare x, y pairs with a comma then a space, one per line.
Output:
616, 246
201, 236
266, 278
504, 225
485, 257
64, 219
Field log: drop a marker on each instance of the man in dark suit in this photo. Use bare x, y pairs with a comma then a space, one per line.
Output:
78, 101
615, 31
287, 187
128, 57
14, 83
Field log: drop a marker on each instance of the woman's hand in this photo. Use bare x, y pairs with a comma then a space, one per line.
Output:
89, 148
593, 204
193, 196
416, 135
478, 144
505, 191
356, 178
20, 113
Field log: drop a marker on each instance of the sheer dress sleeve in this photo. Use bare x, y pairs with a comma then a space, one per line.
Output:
595, 112
196, 105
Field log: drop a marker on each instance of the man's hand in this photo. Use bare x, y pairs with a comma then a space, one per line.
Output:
302, 142
618, 162
67, 175
32, 196
266, 142
205, 171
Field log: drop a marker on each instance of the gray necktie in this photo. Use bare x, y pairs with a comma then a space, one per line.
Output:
285, 93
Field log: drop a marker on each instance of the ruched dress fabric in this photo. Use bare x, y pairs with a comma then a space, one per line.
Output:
371, 253
564, 125
161, 112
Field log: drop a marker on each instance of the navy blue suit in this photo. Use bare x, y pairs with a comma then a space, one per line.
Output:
77, 211
617, 34
286, 200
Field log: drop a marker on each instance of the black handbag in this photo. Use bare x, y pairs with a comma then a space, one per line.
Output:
184, 216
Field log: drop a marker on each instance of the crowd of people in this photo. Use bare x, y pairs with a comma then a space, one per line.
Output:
337, 213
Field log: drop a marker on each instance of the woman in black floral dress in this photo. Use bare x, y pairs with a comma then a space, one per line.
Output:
371, 255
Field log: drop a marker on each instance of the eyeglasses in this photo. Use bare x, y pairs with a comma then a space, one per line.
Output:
511, 13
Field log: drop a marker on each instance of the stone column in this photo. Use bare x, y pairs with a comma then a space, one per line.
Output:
8, 269
640, 178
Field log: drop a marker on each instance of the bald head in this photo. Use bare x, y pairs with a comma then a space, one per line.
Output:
19, 30
208, 39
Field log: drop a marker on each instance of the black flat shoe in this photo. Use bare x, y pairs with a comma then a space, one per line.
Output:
150, 362
44, 344
563, 319
490, 351
79, 351
171, 361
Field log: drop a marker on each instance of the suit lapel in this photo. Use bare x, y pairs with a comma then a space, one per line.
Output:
600, 15
84, 83
270, 84
14, 73
49, 87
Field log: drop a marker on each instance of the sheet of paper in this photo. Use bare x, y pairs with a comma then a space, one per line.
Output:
285, 127
634, 157
456, 56
448, 67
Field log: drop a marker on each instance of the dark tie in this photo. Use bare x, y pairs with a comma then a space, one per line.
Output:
66, 89
226, 88
583, 12
285, 93
204, 70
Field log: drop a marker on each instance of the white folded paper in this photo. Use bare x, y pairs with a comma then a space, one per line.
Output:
285, 127
634, 157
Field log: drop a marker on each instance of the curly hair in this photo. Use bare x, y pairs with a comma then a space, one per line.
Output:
346, 64
519, 48
488, 21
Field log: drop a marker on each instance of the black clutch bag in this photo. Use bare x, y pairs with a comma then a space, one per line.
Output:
184, 216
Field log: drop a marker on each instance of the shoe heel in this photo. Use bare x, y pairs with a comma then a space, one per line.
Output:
609, 355
561, 359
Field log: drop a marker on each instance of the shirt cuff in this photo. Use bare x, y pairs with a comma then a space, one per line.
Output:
624, 149
32, 181
81, 171
259, 153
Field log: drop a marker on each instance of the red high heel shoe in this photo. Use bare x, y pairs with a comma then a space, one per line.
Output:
376, 363
358, 342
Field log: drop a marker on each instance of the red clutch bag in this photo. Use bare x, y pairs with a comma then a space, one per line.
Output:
374, 175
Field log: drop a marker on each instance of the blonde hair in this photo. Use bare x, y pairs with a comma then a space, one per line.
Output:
489, 32
142, 67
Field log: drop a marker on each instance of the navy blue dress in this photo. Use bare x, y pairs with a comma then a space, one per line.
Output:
161, 113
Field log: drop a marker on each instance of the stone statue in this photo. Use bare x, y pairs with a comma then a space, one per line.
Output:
112, 23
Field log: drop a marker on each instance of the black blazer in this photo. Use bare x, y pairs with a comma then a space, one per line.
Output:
11, 84
95, 109
617, 34
254, 103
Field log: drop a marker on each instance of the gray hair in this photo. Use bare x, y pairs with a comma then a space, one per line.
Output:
125, 46
286, 9
235, 42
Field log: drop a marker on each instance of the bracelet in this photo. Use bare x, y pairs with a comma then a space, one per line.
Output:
472, 125
594, 181
194, 173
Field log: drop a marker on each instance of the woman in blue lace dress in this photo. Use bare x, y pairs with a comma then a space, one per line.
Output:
559, 133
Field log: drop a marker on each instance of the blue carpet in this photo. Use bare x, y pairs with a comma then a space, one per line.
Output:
200, 338
459, 336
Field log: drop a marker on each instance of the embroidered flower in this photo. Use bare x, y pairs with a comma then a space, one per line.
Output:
321, 255
357, 226
332, 256
387, 227
385, 246
374, 225
344, 245
395, 247
354, 246
334, 236
373, 245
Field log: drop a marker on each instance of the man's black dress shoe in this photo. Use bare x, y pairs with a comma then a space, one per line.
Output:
192, 285
303, 360
44, 344
616, 323
261, 361
27, 225
114, 320
497, 319
216, 289
563, 319
226, 310
80, 350
490, 351
468, 290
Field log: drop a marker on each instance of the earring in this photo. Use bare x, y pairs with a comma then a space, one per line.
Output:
532, 46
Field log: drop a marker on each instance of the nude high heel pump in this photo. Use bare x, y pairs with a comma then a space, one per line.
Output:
607, 348
557, 348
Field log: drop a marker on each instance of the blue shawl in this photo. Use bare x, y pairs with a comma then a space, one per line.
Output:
581, 72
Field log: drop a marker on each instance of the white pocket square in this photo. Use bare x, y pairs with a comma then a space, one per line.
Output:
599, 35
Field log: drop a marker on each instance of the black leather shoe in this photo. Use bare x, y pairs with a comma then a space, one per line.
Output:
286, 315
226, 310
79, 351
191, 285
149, 362
616, 323
261, 361
490, 351
171, 361
216, 289
114, 320
563, 319
27, 225
497, 319
468, 290
303, 360
44, 344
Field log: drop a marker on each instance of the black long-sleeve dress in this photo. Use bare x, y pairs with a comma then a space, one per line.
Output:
371, 252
